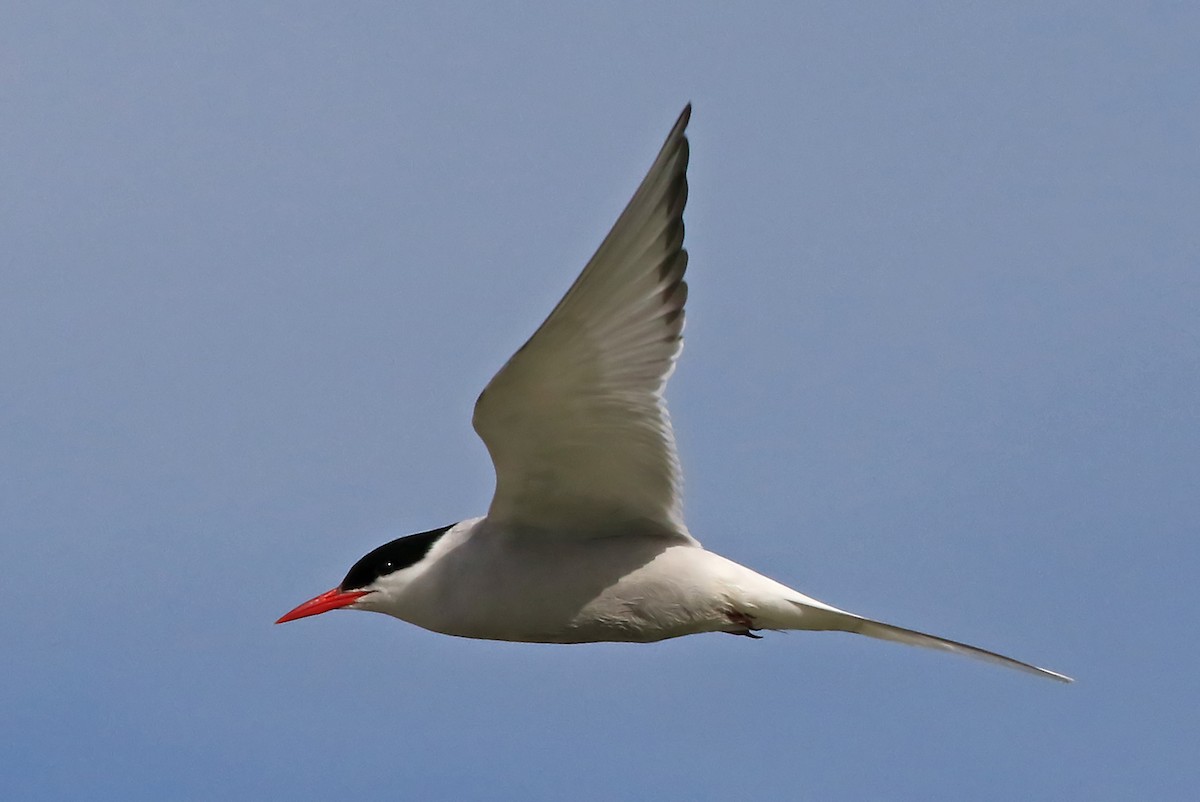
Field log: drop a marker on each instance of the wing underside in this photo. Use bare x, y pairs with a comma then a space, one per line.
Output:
575, 422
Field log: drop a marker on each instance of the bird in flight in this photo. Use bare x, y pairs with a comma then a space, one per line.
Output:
585, 539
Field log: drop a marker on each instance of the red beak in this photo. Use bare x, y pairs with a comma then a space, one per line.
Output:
329, 600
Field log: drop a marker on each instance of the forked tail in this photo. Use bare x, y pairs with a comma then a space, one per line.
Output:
878, 629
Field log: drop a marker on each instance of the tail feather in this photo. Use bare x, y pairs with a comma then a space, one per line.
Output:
820, 616
878, 629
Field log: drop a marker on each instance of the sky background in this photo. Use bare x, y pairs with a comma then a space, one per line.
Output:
942, 368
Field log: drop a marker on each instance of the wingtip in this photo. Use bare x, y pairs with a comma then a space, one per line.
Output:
681, 123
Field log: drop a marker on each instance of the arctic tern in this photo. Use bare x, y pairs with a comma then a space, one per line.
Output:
585, 539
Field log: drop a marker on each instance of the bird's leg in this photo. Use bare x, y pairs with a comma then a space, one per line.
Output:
744, 623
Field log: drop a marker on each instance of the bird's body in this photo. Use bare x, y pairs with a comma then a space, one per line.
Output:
585, 539
545, 587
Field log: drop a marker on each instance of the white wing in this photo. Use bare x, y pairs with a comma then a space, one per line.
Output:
575, 421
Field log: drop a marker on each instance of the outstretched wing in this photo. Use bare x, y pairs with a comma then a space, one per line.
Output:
575, 421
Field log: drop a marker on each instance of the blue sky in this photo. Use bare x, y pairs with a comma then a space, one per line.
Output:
942, 368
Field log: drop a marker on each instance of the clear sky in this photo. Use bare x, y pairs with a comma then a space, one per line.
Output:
942, 368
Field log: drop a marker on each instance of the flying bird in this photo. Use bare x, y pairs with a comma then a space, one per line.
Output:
585, 539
